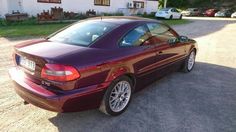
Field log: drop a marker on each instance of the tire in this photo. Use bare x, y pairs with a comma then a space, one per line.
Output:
180, 17
189, 62
171, 17
112, 100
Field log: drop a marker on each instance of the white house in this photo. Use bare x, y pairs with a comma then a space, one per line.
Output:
32, 7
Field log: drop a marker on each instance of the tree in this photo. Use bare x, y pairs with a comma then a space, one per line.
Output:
176, 3
165, 3
161, 3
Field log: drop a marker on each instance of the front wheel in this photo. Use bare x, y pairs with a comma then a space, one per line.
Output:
189, 62
117, 97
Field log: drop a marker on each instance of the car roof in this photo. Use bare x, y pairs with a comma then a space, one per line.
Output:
124, 25
120, 20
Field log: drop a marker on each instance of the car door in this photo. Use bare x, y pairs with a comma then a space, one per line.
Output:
168, 52
143, 54
176, 13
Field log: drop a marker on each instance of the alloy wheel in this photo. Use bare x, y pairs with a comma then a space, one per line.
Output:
191, 60
120, 96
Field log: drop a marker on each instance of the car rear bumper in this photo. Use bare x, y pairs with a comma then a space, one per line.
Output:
210, 14
67, 101
162, 16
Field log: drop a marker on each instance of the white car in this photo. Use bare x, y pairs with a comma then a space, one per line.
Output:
233, 15
169, 13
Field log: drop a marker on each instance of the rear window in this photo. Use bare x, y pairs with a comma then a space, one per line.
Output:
83, 33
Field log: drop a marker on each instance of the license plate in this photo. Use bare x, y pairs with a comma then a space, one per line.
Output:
26, 63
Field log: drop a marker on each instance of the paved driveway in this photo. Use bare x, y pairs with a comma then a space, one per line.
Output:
201, 101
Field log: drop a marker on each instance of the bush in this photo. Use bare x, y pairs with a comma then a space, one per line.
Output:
30, 21
151, 15
113, 14
3, 22
174, 3
81, 16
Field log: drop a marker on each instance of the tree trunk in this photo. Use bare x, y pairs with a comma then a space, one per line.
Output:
165, 3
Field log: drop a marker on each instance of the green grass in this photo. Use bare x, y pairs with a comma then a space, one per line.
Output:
30, 28
176, 22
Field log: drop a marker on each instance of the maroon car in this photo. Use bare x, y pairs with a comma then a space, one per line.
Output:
98, 63
211, 12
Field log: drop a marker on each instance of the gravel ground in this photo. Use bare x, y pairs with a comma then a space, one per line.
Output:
201, 101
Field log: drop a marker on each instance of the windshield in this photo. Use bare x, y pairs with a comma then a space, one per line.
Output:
83, 33
165, 9
224, 10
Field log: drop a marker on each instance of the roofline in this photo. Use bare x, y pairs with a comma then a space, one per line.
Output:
134, 18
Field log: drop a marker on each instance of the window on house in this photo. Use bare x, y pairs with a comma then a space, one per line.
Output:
142, 3
102, 2
49, 1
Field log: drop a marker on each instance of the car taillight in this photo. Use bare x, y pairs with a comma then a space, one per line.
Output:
62, 73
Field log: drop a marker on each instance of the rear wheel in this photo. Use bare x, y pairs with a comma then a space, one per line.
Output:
189, 62
117, 96
171, 17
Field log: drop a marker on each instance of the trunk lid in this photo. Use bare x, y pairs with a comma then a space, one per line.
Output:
41, 52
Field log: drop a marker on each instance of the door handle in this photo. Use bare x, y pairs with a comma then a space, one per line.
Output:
160, 52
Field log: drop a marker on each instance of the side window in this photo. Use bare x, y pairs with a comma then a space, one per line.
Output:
161, 33
175, 10
136, 37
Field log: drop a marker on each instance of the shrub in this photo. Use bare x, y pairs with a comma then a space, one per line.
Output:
81, 16
113, 14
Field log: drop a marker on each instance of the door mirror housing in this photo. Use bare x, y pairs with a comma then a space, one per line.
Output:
180, 39
173, 41
183, 38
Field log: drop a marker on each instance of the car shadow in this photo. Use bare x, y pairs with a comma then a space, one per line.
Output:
203, 100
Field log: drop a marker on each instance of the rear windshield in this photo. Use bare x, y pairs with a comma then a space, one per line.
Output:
83, 33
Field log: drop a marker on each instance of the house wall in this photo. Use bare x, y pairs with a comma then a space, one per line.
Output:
151, 6
3, 8
32, 7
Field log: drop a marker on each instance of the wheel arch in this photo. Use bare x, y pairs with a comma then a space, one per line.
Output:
193, 47
122, 71
132, 77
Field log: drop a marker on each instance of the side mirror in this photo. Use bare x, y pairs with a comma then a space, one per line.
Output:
173, 41
183, 39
